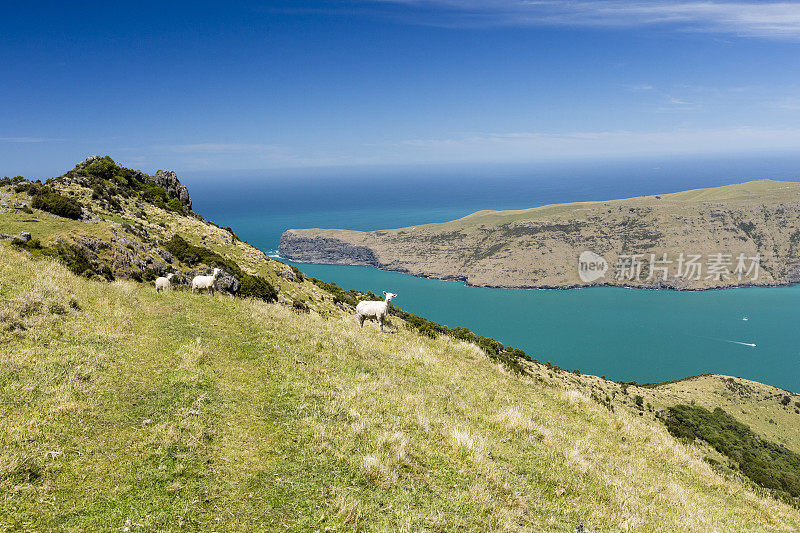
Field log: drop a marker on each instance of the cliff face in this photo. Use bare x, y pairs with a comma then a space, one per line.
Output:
328, 250
745, 234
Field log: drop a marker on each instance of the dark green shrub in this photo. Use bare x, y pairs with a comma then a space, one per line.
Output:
768, 464
33, 245
300, 307
250, 286
175, 205
257, 287
52, 202
153, 193
73, 257
104, 168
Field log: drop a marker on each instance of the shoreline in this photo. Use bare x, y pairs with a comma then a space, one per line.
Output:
566, 287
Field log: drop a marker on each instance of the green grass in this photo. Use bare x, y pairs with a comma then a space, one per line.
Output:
193, 412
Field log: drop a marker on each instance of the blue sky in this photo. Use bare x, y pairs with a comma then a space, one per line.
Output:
218, 86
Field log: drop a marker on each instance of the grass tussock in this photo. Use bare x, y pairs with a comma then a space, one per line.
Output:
198, 412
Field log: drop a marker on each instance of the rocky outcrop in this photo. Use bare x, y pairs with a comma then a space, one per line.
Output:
168, 180
327, 250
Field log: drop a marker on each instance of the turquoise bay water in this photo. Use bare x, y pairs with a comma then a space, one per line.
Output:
620, 333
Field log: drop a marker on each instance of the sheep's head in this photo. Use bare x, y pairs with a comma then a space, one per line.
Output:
216, 272
389, 296
170, 276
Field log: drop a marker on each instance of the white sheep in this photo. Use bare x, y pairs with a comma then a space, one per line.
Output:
375, 310
163, 283
200, 283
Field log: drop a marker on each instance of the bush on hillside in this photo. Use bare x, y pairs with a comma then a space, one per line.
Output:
250, 286
767, 464
108, 180
52, 202
73, 257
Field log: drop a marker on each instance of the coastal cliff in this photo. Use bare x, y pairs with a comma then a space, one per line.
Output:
737, 235
326, 250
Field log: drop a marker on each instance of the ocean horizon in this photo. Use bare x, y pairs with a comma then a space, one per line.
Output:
655, 335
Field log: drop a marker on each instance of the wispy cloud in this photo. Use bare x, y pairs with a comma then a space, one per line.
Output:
777, 20
26, 140
522, 146
227, 148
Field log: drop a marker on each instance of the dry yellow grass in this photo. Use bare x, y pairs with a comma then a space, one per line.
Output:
181, 411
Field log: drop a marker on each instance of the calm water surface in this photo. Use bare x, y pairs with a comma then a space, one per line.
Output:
620, 333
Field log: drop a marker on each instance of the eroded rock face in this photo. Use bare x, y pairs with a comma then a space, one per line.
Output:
168, 180
324, 250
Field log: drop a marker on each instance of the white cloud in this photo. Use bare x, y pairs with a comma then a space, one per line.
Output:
506, 147
25, 140
223, 148
529, 146
779, 20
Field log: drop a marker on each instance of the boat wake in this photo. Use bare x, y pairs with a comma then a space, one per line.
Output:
742, 343
750, 344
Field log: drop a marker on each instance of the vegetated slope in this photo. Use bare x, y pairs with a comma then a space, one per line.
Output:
122, 408
772, 413
130, 227
540, 247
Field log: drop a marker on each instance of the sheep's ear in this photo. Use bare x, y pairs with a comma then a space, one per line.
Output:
384, 293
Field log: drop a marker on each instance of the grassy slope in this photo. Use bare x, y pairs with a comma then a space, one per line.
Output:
539, 247
198, 412
49, 228
755, 404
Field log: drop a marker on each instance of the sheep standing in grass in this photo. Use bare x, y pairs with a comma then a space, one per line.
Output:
163, 283
200, 283
377, 311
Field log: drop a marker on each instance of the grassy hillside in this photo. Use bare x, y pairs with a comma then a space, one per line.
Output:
123, 408
540, 247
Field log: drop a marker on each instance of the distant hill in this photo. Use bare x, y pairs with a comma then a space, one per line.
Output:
727, 227
124, 409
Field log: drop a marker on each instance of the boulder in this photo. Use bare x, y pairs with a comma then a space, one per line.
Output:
227, 283
288, 275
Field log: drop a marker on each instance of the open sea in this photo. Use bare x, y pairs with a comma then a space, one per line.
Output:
619, 333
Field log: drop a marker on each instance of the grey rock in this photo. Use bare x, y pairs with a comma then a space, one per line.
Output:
168, 180
227, 283
24, 236
324, 250
288, 275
